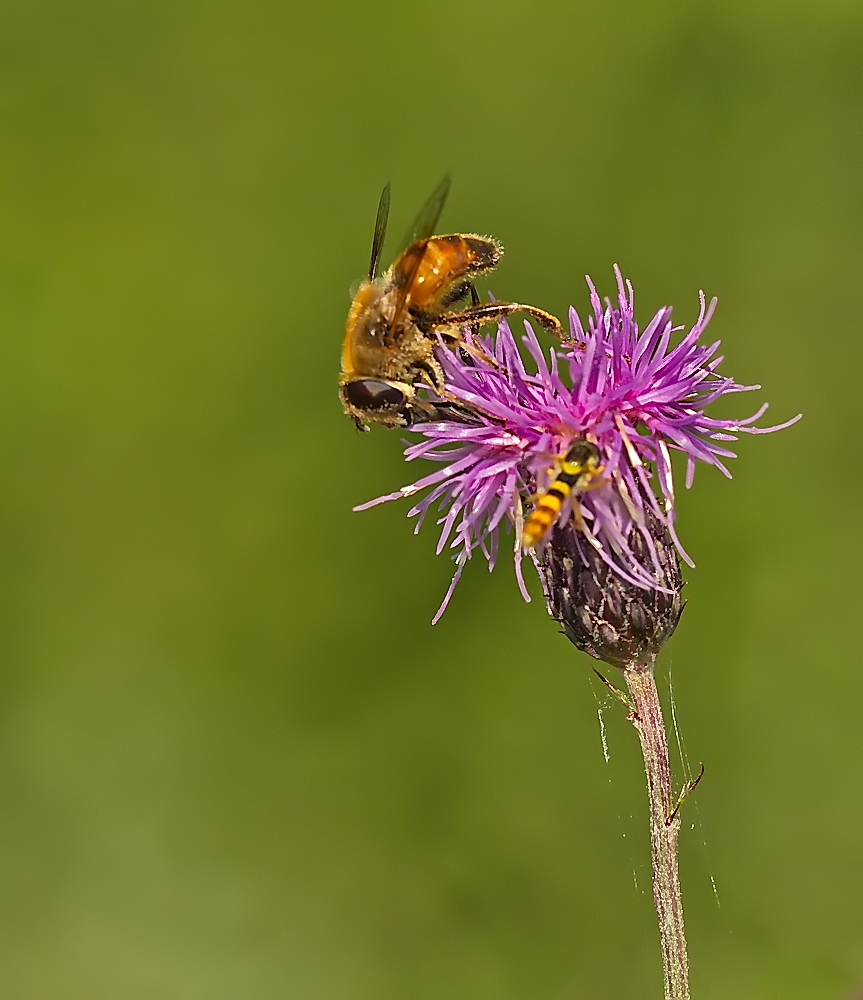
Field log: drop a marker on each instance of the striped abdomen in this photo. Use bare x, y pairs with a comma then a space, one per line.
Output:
436, 269
577, 472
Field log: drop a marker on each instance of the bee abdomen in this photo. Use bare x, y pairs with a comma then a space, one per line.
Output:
460, 254
485, 253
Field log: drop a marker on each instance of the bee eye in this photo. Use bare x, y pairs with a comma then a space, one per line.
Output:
370, 394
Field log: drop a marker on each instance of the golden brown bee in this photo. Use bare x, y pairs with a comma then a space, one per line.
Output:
580, 470
395, 319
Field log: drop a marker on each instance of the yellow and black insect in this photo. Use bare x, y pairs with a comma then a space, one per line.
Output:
579, 471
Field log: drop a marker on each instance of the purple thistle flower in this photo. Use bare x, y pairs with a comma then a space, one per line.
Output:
630, 393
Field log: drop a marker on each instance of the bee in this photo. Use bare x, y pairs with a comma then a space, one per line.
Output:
396, 317
580, 470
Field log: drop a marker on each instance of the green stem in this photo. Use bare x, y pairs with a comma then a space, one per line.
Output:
664, 826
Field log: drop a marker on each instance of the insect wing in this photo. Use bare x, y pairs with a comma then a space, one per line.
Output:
380, 231
423, 227
426, 221
414, 255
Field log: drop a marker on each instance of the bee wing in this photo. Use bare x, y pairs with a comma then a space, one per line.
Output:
411, 260
380, 231
416, 242
425, 223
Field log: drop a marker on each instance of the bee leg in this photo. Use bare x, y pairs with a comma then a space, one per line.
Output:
421, 411
433, 373
455, 413
493, 312
470, 413
454, 294
474, 327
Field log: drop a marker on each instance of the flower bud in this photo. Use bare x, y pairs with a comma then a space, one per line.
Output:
604, 614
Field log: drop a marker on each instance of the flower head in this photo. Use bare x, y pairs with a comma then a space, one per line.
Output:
629, 394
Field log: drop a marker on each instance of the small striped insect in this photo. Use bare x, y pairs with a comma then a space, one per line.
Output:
579, 471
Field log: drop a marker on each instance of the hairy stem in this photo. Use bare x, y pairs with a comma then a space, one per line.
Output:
664, 826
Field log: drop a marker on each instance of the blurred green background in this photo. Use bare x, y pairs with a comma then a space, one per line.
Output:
236, 760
